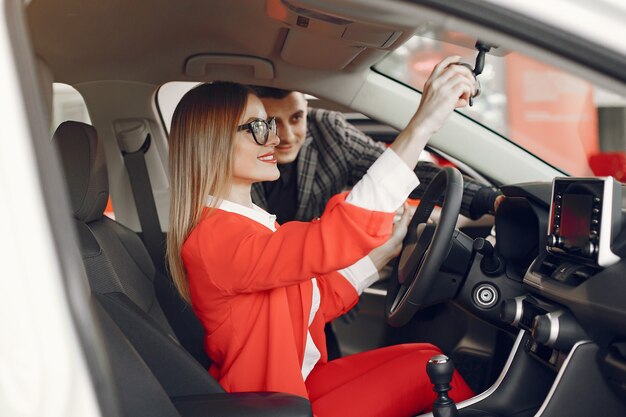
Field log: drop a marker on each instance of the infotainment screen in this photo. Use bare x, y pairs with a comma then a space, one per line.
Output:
576, 215
585, 215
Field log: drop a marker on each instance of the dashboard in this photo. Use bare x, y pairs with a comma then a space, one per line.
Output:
565, 243
524, 228
585, 218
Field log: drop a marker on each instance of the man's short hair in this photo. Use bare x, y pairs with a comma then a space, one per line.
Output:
270, 92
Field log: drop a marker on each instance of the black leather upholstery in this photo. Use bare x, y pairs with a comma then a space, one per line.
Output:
258, 404
116, 259
172, 365
150, 366
139, 393
85, 169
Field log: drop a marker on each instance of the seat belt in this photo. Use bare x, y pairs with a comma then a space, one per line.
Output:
182, 319
144, 201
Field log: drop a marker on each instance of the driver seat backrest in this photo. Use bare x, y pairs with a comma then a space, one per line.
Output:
153, 374
120, 271
114, 256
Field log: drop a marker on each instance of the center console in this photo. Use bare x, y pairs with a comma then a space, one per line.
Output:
553, 369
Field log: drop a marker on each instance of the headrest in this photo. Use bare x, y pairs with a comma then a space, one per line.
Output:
82, 156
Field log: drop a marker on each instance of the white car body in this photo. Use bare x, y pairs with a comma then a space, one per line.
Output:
43, 365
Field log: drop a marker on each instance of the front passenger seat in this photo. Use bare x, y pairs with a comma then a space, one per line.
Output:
120, 274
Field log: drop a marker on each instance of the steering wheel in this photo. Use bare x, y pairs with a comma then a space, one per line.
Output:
424, 249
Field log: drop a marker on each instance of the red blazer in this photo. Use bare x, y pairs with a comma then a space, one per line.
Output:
252, 289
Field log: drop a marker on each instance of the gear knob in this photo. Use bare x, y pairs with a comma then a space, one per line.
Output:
440, 369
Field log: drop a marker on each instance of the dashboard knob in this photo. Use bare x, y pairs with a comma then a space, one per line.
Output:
553, 240
590, 249
511, 310
558, 329
542, 329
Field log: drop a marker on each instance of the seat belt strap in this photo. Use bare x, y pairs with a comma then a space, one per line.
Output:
144, 201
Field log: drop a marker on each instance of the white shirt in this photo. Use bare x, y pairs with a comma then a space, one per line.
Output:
385, 187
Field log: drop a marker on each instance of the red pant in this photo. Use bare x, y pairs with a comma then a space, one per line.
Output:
386, 382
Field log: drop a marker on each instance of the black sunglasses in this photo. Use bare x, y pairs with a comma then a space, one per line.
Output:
260, 129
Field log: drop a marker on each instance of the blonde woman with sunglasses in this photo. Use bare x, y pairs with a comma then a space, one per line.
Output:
263, 292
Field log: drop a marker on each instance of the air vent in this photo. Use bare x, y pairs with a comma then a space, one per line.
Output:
547, 267
566, 272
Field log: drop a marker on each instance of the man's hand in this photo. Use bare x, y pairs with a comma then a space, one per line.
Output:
496, 203
383, 254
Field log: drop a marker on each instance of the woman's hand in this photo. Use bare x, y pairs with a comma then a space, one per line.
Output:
449, 86
383, 254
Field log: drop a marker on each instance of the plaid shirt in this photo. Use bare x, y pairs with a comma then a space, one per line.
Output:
334, 156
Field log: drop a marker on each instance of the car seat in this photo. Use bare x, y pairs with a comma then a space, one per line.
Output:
154, 374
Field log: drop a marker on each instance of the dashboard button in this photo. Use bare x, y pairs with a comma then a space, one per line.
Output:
590, 249
552, 240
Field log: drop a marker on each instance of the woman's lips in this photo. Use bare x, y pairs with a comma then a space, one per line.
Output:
268, 157
284, 148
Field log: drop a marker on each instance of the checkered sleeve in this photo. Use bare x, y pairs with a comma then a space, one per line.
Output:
362, 150
357, 150
478, 199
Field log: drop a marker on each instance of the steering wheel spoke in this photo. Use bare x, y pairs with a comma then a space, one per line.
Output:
399, 296
424, 249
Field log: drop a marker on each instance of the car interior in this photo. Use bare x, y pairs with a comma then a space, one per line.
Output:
528, 302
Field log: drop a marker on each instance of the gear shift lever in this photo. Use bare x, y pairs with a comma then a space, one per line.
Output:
440, 369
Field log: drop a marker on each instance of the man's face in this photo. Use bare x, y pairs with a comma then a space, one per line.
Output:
290, 114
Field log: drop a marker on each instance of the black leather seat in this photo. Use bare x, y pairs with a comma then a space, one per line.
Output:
154, 374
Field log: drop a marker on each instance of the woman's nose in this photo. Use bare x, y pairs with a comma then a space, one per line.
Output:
273, 139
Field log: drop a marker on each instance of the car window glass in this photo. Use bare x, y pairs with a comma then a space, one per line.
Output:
170, 94
563, 119
67, 104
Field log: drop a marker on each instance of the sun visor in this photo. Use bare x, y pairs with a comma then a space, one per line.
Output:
217, 66
320, 40
311, 51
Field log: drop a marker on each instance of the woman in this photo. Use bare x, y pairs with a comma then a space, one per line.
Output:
264, 294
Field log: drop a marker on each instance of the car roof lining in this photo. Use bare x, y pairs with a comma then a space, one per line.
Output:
97, 47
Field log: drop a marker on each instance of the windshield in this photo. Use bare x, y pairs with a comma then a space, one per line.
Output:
564, 120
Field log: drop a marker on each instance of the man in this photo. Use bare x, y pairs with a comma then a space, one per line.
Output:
320, 154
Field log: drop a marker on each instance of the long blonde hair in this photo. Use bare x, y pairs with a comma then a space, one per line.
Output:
200, 162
